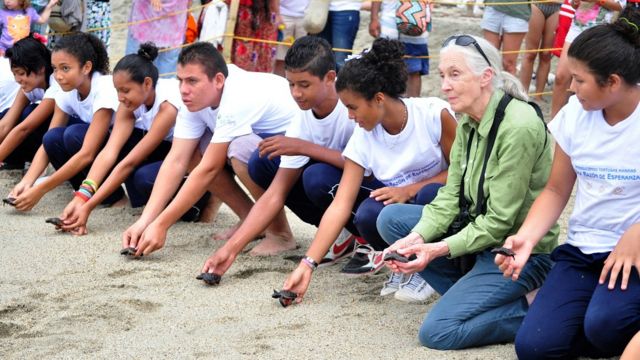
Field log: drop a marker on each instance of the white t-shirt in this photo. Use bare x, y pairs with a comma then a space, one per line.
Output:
293, 8
253, 102
606, 160
408, 157
166, 90
332, 132
8, 85
389, 29
38, 94
343, 5
192, 125
103, 95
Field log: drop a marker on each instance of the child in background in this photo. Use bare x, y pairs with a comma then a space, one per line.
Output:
290, 29
16, 19
39, 6
383, 24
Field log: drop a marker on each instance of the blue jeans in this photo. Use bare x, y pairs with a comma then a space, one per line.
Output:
478, 308
340, 31
263, 171
166, 61
575, 316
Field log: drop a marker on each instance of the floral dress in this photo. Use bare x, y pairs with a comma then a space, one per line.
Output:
256, 22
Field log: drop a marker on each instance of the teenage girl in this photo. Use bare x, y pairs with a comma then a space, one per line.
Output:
26, 122
589, 304
403, 143
86, 106
139, 141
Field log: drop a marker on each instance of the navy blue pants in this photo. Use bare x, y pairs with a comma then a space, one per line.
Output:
64, 142
573, 315
315, 190
262, 171
30, 145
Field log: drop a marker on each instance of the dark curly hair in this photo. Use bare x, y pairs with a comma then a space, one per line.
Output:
85, 47
611, 48
381, 69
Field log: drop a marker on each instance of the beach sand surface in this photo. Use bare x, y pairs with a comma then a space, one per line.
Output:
63, 296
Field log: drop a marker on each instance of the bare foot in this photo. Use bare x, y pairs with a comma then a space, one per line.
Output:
225, 235
273, 244
210, 211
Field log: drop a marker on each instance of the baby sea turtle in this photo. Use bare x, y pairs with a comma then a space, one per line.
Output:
55, 221
130, 251
285, 297
504, 251
399, 258
9, 201
210, 278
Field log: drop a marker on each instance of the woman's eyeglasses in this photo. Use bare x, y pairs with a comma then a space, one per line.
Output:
466, 40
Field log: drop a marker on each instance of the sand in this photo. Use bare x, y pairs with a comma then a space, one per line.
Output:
75, 297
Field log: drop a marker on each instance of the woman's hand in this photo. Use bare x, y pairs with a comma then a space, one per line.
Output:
20, 187
623, 258
511, 267
425, 253
153, 238
298, 281
407, 241
219, 262
70, 212
392, 195
28, 199
132, 235
76, 223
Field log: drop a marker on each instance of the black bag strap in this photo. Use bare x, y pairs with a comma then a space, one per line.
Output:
462, 201
536, 107
497, 119
481, 205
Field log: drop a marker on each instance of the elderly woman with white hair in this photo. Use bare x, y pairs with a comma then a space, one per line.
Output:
500, 161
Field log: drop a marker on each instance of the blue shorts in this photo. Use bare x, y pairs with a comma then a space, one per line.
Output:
417, 65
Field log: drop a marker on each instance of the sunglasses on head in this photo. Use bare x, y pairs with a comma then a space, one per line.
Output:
466, 40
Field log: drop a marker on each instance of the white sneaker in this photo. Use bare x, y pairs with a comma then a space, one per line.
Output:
414, 289
393, 284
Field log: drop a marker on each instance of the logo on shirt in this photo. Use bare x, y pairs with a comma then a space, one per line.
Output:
18, 27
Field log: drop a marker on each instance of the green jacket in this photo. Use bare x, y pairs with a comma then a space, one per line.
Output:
516, 173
